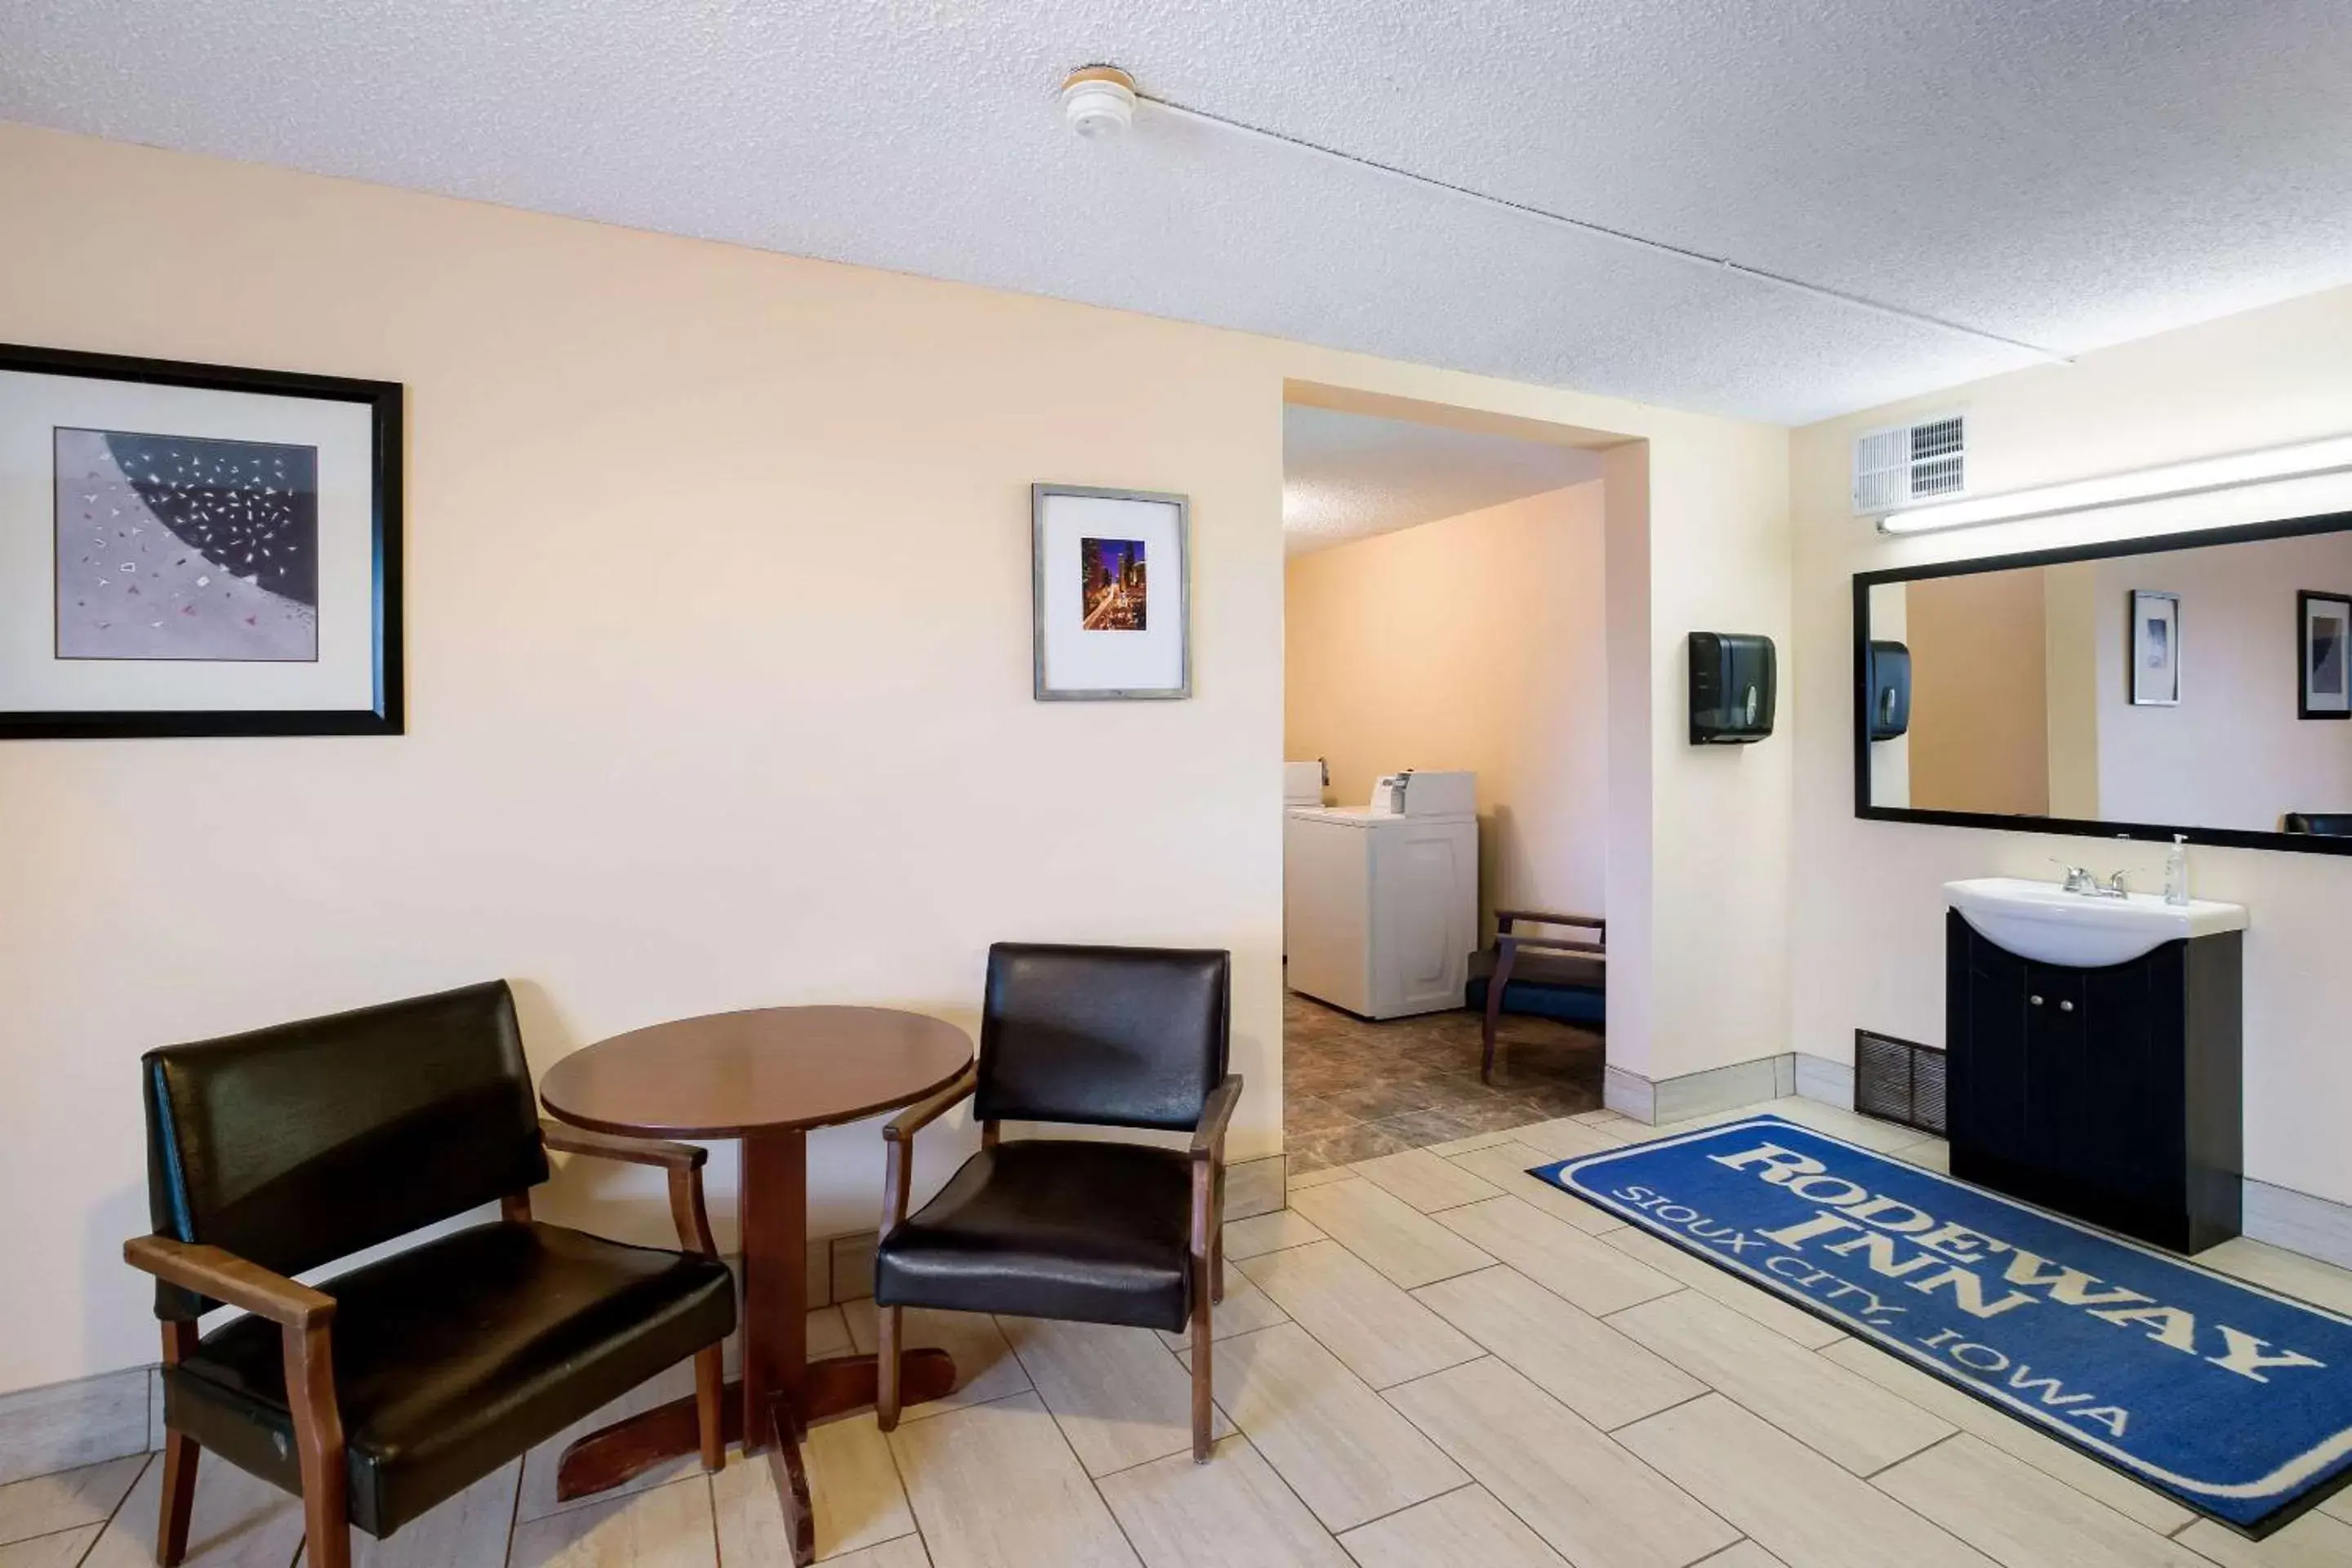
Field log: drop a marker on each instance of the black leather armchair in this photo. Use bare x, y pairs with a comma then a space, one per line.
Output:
388, 1388
1091, 1232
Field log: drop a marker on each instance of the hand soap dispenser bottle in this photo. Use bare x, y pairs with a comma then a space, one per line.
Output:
2176, 870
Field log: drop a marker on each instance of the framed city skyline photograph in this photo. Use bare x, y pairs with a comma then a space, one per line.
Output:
1111, 594
1113, 584
195, 550
2323, 625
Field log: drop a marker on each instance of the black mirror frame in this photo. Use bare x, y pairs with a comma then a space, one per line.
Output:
2149, 544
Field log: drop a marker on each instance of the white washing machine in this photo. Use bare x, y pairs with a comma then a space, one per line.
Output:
1380, 906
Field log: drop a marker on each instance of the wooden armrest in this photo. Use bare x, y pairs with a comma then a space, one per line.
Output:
923, 1113
1215, 1111
1504, 918
225, 1277
683, 1162
1591, 950
305, 1319
898, 1143
637, 1151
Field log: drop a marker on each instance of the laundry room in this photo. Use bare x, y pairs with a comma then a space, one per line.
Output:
1445, 796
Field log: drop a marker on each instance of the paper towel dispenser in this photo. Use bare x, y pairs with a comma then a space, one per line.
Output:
1890, 690
1731, 687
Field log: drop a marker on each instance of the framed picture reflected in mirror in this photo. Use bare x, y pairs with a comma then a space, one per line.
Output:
2323, 625
2155, 648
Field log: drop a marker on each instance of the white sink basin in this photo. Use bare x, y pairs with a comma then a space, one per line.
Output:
2042, 921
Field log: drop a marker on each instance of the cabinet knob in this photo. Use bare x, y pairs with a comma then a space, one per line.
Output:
2035, 1000
2065, 1006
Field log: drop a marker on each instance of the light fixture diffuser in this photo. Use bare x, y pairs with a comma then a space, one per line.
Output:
2199, 475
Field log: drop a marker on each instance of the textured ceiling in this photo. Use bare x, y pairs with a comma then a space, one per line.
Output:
2071, 172
1349, 476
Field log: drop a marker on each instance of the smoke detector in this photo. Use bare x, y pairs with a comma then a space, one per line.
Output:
1099, 102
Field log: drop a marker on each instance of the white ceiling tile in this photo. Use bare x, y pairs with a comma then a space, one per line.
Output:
1349, 476
2068, 174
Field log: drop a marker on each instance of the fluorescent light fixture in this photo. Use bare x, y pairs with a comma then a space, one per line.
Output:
2196, 476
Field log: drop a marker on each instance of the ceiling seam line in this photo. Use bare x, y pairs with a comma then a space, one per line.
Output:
1603, 231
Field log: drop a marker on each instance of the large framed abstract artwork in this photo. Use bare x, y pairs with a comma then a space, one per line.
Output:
195, 550
1112, 594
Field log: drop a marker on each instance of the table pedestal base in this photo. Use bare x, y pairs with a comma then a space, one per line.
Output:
835, 1386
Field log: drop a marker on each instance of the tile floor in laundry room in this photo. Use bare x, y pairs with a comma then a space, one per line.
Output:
1353, 1089
1428, 1360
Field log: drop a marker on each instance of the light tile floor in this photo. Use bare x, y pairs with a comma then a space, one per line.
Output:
1428, 1360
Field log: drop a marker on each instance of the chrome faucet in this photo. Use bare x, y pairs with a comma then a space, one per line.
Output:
2078, 878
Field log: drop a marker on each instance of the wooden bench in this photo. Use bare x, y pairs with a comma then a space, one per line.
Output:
1562, 977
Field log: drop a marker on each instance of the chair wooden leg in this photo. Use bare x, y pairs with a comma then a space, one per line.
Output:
1217, 1264
1204, 1410
326, 1526
318, 1445
180, 1454
1496, 984
1486, 1034
886, 1367
710, 1399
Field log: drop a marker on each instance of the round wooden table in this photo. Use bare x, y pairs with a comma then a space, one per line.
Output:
766, 1076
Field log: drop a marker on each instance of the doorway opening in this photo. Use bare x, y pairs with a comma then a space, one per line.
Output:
1446, 727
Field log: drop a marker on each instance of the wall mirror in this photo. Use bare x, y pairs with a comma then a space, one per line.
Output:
2196, 683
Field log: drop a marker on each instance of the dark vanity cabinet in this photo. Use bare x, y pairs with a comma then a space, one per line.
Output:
2109, 1094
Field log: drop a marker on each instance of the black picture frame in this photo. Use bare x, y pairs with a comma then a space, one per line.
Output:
2304, 600
385, 714
2153, 832
2145, 692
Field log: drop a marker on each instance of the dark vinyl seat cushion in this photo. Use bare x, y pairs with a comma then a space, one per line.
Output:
1561, 987
1022, 1228
454, 1355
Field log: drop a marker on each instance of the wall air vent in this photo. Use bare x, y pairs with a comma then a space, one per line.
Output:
1898, 1081
1902, 464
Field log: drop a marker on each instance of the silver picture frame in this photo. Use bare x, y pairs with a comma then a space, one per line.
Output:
1043, 628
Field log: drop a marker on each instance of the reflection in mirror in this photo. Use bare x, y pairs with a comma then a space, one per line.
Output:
2168, 688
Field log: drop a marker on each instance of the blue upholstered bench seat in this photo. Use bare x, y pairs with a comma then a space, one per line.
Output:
1586, 1005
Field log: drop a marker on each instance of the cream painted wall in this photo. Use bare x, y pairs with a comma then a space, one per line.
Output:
2070, 659
1867, 915
718, 665
1979, 736
1475, 642
1719, 862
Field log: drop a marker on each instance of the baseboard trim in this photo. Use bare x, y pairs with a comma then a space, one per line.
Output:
1629, 1094
1821, 1078
1658, 1101
2297, 1221
1257, 1186
84, 1422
